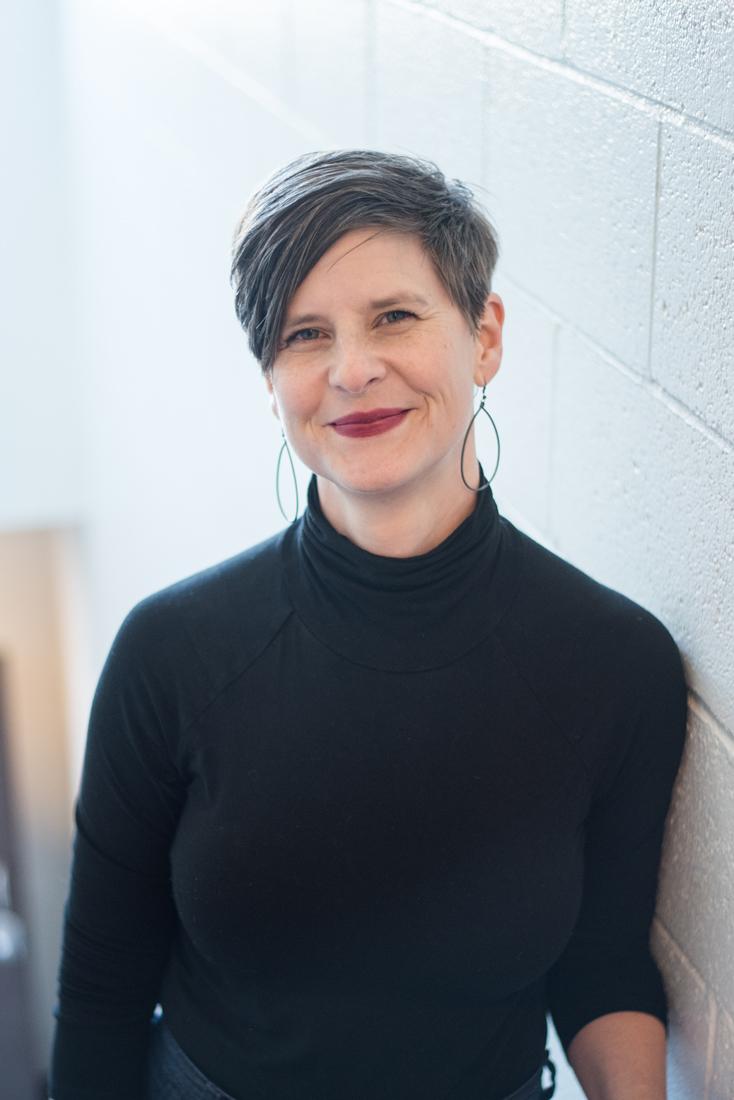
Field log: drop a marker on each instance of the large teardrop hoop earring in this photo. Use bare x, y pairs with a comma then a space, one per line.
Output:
463, 448
287, 449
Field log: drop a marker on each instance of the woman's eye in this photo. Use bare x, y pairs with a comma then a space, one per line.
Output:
295, 335
308, 335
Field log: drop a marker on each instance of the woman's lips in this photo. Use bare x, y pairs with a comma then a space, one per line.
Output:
372, 427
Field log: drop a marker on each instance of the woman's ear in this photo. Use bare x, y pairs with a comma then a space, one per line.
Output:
273, 399
489, 340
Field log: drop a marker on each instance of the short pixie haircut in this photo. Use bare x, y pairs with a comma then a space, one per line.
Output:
303, 208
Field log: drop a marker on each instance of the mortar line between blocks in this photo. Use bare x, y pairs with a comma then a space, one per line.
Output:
654, 265
718, 729
259, 93
676, 406
713, 1012
654, 108
677, 949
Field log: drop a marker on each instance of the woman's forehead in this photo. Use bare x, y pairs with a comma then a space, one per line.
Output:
375, 266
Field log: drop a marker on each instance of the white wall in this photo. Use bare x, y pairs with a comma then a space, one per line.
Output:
40, 426
181, 443
601, 139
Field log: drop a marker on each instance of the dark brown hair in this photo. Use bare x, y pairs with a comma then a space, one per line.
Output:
303, 208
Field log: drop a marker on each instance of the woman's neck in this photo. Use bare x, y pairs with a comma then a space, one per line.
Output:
405, 522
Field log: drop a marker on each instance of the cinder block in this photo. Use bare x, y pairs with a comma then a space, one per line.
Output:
696, 892
326, 58
681, 53
641, 499
693, 320
570, 177
429, 87
537, 25
520, 400
689, 1019
722, 1081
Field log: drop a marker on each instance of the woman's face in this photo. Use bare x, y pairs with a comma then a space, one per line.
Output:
372, 327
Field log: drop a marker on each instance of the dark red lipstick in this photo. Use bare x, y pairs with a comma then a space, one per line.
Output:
372, 422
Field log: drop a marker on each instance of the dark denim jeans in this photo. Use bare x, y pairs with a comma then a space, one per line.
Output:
173, 1076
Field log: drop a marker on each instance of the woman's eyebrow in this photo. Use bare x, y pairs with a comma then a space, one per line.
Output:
377, 303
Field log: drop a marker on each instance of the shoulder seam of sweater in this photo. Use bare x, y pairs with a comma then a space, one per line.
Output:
240, 672
544, 708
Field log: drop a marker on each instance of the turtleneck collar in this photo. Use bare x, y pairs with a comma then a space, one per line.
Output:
401, 614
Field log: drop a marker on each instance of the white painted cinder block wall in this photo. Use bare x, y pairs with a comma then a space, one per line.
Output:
601, 139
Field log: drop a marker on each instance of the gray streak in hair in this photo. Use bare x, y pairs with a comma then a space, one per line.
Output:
303, 208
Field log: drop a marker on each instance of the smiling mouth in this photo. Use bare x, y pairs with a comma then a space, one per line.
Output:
368, 417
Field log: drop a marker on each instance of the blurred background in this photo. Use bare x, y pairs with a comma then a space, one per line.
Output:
136, 439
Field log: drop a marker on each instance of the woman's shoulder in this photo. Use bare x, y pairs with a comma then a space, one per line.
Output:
213, 622
569, 629
250, 574
561, 593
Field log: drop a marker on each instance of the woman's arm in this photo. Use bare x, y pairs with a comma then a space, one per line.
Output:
620, 1056
119, 916
605, 991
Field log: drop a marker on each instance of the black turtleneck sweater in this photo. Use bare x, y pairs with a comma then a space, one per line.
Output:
359, 822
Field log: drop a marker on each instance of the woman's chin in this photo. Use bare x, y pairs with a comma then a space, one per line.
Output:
371, 478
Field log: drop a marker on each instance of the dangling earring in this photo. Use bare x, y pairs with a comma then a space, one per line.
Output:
463, 448
277, 477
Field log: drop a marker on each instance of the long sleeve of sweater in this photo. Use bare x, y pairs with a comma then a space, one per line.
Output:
607, 965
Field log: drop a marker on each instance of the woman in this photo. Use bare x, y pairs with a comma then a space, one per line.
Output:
363, 803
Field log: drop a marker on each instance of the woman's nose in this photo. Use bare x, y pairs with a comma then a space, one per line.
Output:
353, 366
